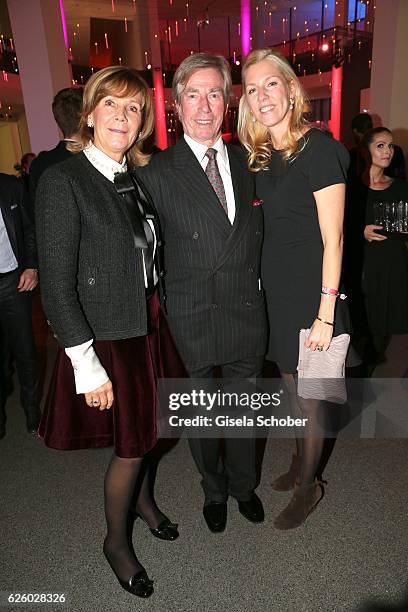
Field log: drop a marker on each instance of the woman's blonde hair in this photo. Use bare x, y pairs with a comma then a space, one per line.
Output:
253, 135
122, 82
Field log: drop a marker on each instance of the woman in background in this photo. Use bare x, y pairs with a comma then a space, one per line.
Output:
385, 263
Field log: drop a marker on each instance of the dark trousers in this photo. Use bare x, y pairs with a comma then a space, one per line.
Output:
235, 473
17, 332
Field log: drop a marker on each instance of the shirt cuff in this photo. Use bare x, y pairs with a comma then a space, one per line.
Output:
88, 371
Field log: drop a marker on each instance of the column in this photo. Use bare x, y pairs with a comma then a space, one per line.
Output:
389, 74
43, 63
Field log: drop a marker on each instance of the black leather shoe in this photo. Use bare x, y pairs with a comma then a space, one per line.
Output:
166, 530
139, 585
252, 509
215, 514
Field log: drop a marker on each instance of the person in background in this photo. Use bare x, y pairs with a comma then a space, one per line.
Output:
98, 279
385, 264
66, 108
300, 176
25, 166
361, 124
18, 278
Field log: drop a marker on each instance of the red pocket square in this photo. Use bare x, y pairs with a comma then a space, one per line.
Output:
257, 202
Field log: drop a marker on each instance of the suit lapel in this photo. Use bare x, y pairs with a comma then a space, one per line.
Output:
243, 208
192, 178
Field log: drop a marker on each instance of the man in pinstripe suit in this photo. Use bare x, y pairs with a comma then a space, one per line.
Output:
213, 235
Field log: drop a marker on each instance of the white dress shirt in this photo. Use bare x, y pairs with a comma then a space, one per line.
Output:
88, 371
8, 261
199, 151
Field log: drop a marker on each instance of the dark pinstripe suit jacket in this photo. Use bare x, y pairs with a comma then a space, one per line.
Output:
215, 307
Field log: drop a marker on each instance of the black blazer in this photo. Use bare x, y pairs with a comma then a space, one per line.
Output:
215, 305
91, 274
44, 160
20, 230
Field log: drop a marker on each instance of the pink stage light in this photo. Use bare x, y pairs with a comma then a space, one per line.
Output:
64, 24
335, 110
161, 130
245, 27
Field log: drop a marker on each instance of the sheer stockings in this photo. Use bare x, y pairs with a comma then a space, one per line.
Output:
120, 481
309, 448
146, 507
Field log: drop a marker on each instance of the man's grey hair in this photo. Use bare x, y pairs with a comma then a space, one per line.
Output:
201, 60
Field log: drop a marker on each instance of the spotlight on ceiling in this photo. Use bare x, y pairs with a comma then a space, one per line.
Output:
203, 23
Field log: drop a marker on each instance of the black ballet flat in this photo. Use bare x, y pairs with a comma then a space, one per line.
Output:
139, 585
166, 530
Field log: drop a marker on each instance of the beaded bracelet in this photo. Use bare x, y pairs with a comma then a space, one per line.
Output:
329, 291
327, 322
342, 296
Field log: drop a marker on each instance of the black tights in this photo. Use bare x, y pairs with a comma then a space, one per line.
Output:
121, 479
310, 447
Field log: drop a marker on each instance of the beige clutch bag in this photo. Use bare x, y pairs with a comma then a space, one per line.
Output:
321, 373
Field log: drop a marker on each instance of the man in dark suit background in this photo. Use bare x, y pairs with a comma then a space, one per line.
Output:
66, 108
213, 234
18, 277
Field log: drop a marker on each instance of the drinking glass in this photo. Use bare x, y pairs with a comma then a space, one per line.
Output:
399, 217
389, 216
378, 213
405, 217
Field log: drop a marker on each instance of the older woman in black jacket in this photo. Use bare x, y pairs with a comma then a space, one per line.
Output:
99, 264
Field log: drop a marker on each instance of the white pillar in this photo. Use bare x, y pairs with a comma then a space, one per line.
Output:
389, 76
43, 64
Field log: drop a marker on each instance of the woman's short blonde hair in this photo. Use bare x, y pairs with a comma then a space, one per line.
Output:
122, 82
255, 136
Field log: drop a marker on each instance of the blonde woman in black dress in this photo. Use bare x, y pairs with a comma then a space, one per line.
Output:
300, 176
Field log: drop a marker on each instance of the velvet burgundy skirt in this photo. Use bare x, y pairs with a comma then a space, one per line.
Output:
133, 365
